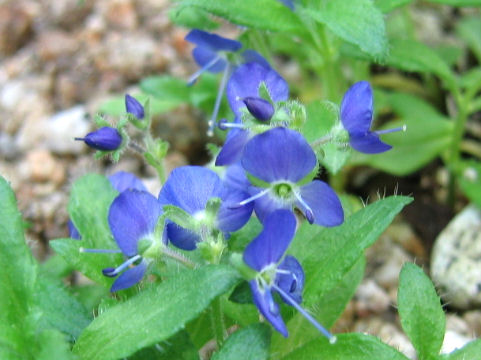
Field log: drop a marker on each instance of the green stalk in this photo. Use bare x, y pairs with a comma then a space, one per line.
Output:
454, 156
217, 321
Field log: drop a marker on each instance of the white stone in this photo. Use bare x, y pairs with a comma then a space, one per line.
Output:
456, 259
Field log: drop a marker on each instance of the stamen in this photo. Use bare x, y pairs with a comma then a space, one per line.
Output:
80, 139
123, 266
308, 211
322, 329
100, 251
387, 131
248, 200
218, 99
224, 125
206, 67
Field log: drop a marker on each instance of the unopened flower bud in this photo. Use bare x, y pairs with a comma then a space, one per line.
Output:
105, 139
260, 108
134, 107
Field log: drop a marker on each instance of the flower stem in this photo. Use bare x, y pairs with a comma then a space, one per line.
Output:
217, 321
454, 155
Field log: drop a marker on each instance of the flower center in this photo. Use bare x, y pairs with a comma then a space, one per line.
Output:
283, 190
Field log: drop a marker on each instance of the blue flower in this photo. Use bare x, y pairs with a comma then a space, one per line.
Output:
288, 3
190, 188
132, 217
105, 139
244, 84
357, 116
286, 277
134, 107
209, 51
283, 160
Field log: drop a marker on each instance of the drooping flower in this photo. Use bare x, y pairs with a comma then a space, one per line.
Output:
190, 188
244, 84
283, 160
357, 117
105, 139
286, 277
134, 107
132, 217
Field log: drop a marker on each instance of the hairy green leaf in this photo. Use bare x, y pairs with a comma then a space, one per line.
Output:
154, 314
352, 346
251, 342
17, 281
422, 316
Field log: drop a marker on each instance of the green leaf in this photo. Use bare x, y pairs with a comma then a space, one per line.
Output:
116, 105
251, 342
413, 56
469, 351
357, 22
328, 254
388, 5
470, 181
17, 280
458, 2
154, 314
427, 135
88, 208
469, 29
60, 310
178, 347
422, 317
167, 88
275, 16
53, 345
351, 346
321, 117
327, 310
192, 18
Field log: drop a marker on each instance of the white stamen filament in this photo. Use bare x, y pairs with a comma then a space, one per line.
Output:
249, 200
387, 131
124, 265
322, 329
206, 67
218, 99
307, 209
100, 251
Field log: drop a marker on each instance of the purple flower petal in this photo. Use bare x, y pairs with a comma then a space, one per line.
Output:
132, 215
235, 178
292, 283
323, 202
212, 41
129, 278
245, 82
260, 108
105, 139
204, 56
356, 108
123, 180
73, 231
182, 238
278, 154
190, 187
267, 204
134, 107
269, 246
229, 220
250, 55
268, 307
368, 143
232, 150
